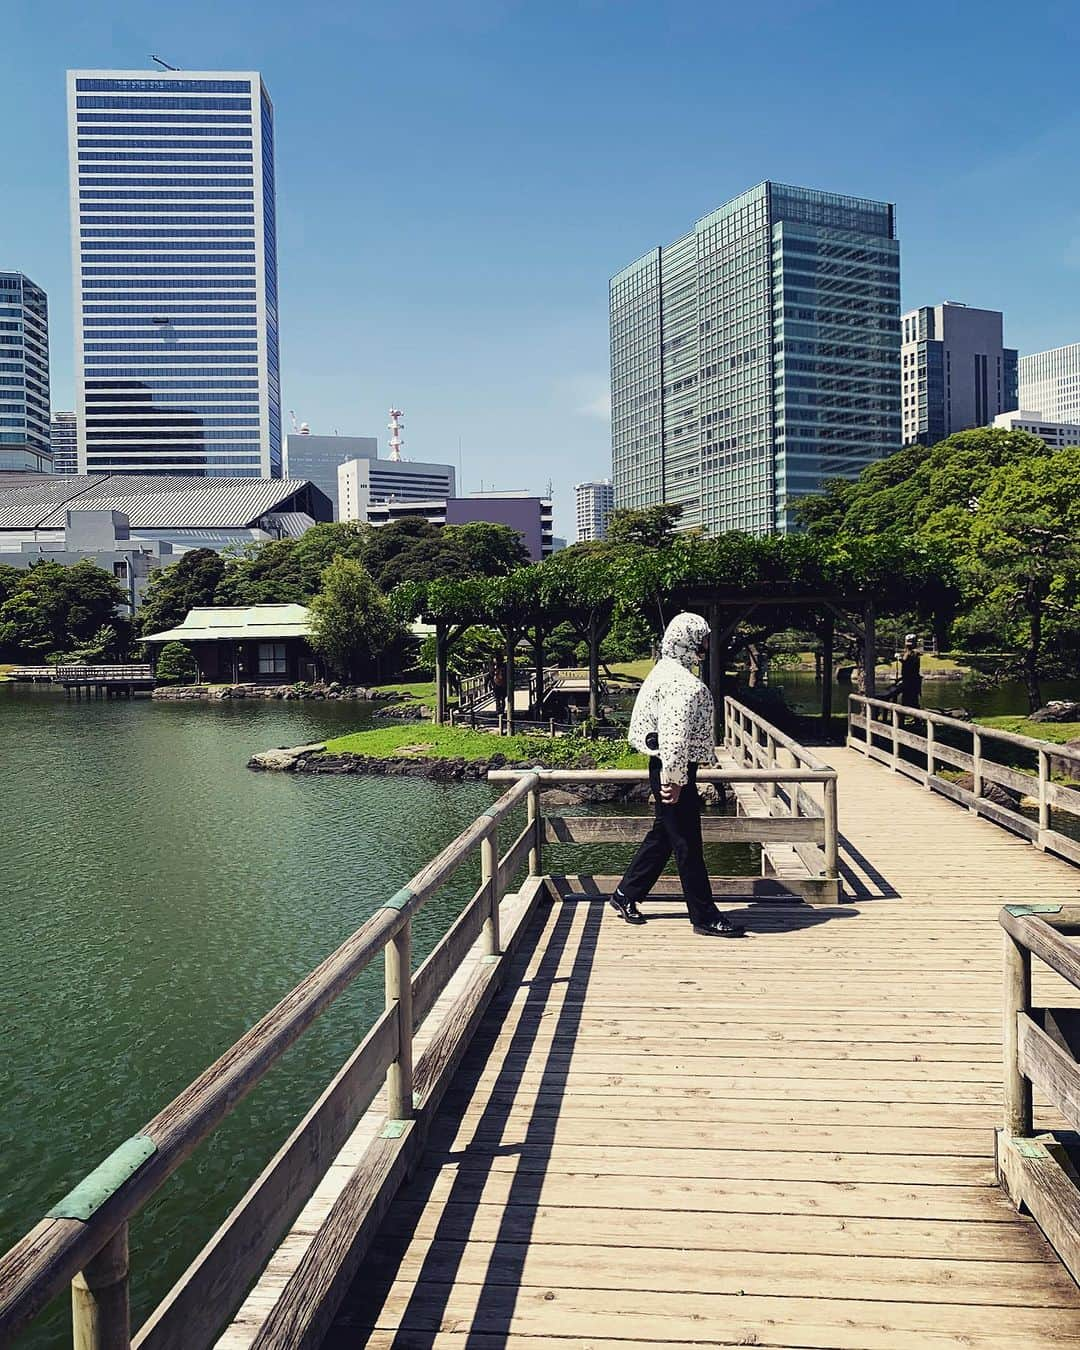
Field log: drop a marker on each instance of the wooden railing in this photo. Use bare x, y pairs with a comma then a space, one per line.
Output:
1040, 1047
99, 673
883, 730
790, 817
83, 1241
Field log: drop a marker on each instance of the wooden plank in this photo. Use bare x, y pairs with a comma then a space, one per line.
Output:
1050, 1068
714, 829
1037, 1180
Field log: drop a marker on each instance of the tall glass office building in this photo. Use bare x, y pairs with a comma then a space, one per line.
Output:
175, 261
24, 375
756, 357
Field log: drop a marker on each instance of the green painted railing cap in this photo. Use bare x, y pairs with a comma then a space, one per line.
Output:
105, 1180
493, 811
399, 900
1018, 911
1028, 1148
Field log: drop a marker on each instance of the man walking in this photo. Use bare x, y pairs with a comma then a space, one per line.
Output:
672, 722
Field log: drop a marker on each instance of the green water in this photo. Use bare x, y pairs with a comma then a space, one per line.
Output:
156, 898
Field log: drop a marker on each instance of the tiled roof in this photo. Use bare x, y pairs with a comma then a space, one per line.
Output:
266, 622
150, 501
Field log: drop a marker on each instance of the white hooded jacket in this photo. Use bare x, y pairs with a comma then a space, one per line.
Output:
675, 705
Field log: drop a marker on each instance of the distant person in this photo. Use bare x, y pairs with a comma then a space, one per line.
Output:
498, 686
911, 673
672, 723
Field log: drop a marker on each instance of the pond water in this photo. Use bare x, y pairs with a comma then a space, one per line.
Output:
157, 898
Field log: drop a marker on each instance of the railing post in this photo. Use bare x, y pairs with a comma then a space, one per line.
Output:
832, 838
976, 770
770, 750
100, 1315
895, 737
1017, 1000
930, 746
399, 1086
536, 820
1044, 796
489, 874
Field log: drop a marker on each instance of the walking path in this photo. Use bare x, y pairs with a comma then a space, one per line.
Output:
661, 1140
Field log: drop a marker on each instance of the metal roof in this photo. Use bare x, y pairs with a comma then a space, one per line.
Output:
211, 622
150, 501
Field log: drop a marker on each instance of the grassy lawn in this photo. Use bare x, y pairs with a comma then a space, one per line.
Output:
434, 742
422, 692
634, 670
1058, 733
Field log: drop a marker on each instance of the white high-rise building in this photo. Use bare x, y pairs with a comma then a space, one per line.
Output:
1050, 381
65, 443
318, 458
595, 503
175, 266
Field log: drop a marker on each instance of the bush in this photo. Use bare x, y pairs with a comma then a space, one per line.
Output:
176, 665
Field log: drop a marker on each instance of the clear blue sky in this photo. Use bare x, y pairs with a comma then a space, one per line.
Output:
457, 181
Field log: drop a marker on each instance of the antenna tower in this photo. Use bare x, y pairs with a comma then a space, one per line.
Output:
397, 421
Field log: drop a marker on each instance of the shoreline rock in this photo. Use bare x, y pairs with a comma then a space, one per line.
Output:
183, 693
312, 759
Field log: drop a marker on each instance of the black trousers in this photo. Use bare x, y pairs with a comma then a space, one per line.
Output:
677, 829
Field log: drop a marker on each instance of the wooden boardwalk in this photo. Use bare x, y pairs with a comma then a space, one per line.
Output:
660, 1140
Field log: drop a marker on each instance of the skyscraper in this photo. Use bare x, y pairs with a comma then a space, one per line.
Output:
595, 503
24, 375
1050, 381
955, 372
65, 443
175, 260
757, 356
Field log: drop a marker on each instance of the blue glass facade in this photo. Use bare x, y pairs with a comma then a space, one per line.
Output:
172, 182
24, 375
756, 357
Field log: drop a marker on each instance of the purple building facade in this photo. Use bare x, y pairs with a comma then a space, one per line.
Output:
530, 516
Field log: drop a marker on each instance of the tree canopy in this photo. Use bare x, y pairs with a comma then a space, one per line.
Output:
51, 609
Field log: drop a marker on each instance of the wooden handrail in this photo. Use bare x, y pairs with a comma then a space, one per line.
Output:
1033, 1170
932, 752
96, 1213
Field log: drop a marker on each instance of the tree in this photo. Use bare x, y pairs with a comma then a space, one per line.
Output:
351, 624
54, 608
491, 550
191, 581
176, 664
1024, 547
649, 527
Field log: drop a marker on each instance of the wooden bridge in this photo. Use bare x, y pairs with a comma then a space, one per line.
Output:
564, 1131
116, 680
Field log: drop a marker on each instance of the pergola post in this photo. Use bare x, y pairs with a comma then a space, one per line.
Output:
594, 667
538, 665
716, 672
828, 635
440, 673
511, 646
869, 648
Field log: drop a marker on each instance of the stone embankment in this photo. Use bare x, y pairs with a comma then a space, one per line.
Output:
313, 759
332, 691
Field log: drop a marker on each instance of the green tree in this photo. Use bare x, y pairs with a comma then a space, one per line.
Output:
490, 549
185, 584
649, 527
1024, 547
176, 664
351, 624
53, 609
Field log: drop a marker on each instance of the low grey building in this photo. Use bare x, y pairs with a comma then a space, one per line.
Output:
103, 538
317, 458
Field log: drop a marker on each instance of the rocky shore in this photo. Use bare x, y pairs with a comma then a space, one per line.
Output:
195, 692
312, 759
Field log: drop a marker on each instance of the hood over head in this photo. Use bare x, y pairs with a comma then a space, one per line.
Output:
684, 638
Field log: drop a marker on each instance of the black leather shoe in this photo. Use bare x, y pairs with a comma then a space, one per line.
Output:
626, 909
719, 927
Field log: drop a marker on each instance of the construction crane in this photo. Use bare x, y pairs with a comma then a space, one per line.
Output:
301, 428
